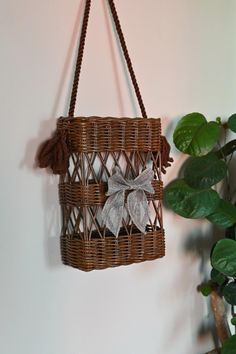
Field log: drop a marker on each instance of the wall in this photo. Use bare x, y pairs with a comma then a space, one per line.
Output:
184, 53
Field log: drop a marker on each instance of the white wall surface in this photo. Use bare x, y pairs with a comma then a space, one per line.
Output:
184, 53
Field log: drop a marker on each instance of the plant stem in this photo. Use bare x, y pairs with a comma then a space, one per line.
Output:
219, 312
227, 149
214, 351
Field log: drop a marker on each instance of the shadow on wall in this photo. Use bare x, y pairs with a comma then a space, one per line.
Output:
50, 182
199, 244
51, 207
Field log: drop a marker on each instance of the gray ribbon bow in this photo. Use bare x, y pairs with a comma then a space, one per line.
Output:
137, 203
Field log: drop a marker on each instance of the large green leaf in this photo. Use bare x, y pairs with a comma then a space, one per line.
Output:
218, 277
223, 257
189, 202
229, 293
195, 136
224, 215
229, 346
232, 122
204, 171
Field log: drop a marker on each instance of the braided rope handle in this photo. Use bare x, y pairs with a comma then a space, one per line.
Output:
54, 152
81, 52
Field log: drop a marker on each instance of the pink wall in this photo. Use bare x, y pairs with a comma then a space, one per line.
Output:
184, 53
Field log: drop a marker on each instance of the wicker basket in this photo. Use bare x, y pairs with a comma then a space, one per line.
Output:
96, 145
84, 151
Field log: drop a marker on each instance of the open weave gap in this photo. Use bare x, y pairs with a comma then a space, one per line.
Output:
85, 167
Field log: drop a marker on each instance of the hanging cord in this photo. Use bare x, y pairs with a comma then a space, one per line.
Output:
79, 59
81, 52
54, 152
127, 57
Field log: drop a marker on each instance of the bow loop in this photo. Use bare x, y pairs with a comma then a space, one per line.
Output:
144, 181
137, 203
138, 209
117, 183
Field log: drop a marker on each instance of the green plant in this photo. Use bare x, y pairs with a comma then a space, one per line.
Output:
198, 194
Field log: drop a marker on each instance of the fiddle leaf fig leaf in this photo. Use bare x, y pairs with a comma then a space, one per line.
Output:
204, 171
223, 257
232, 123
229, 345
189, 202
229, 293
224, 215
195, 136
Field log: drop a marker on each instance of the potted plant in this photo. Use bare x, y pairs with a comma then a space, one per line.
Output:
198, 194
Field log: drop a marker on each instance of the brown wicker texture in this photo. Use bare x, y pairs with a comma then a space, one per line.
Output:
101, 253
97, 145
92, 147
75, 194
96, 134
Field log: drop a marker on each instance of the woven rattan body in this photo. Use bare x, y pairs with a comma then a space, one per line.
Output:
97, 145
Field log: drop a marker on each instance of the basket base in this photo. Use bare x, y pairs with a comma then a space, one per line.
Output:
102, 253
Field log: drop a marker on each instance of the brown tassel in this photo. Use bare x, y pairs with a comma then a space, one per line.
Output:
166, 160
54, 154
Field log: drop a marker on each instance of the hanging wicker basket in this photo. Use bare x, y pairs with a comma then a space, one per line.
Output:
85, 151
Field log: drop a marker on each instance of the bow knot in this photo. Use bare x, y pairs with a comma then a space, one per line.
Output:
137, 203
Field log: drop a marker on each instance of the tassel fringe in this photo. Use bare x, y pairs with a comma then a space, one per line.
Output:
54, 153
166, 160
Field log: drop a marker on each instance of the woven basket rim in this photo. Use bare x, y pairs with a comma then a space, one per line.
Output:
91, 118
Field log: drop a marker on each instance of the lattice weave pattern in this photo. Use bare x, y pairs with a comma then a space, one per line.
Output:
98, 145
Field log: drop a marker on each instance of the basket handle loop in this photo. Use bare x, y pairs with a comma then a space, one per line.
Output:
81, 52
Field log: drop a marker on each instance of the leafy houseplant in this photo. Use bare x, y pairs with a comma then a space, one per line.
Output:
198, 194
